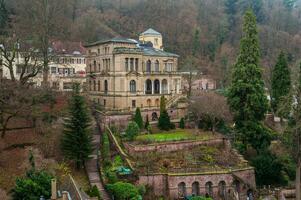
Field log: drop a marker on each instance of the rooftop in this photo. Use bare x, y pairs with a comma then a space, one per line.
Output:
147, 51
150, 31
113, 40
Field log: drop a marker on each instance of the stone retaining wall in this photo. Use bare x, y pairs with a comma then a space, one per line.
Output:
167, 184
174, 146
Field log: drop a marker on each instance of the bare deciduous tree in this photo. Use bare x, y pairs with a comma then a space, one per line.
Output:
210, 105
11, 51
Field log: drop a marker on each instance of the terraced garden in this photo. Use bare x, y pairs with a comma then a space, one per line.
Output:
173, 136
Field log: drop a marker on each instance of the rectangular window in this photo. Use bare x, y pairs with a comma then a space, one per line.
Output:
53, 70
136, 64
133, 103
104, 103
67, 85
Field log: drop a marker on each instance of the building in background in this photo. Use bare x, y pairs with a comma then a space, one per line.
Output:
123, 74
68, 64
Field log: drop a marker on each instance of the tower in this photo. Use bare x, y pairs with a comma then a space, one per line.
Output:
150, 35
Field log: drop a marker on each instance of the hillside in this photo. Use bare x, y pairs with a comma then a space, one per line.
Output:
208, 31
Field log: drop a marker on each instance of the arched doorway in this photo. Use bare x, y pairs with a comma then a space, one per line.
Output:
209, 189
154, 116
236, 186
157, 86
148, 86
181, 190
222, 189
195, 189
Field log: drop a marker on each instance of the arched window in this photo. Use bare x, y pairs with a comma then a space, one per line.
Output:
164, 86
94, 85
148, 86
148, 66
157, 66
132, 86
209, 188
222, 189
94, 64
98, 85
106, 87
236, 186
157, 86
157, 102
195, 189
149, 103
182, 189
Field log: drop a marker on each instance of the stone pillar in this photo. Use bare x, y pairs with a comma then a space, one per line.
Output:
152, 84
53, 189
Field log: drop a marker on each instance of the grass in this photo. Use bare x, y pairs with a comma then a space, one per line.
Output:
174, 135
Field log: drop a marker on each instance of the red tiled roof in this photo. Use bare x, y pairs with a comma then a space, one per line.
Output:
66, 47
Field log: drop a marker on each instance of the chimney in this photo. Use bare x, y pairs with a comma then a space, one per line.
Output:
53, 189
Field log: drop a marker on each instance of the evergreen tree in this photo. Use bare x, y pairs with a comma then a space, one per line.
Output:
132, 131
164, 120
246, 96
3, 17
138, 118
162, 104
196, 46
146, 123
281, 81
76, 142
182, 123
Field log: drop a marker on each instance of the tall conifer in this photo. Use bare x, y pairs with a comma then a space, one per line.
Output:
246, 96
76, 142
281, 81
138, 118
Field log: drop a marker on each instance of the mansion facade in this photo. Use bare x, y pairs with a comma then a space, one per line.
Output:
123, 74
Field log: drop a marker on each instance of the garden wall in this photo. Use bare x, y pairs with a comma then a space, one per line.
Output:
174, 146
167, 185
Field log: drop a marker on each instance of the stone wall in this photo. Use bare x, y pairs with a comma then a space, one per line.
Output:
168, 185
174, 146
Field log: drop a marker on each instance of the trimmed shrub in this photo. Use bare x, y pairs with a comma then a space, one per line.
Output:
132, 131
122, 191
94, 192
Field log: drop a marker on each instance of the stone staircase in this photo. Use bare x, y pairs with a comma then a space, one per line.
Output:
92, 167
173, 99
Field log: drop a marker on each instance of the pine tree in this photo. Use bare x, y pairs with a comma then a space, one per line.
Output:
164, 120
196, 46
3, 17
281, 81
246, 96
138, 118
76, 142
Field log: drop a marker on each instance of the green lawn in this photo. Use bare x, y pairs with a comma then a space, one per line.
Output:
175, 135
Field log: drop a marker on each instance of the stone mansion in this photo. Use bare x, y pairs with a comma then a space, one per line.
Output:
123, 74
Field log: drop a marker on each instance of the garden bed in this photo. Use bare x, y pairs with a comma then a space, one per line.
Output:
174, 136
193, 160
